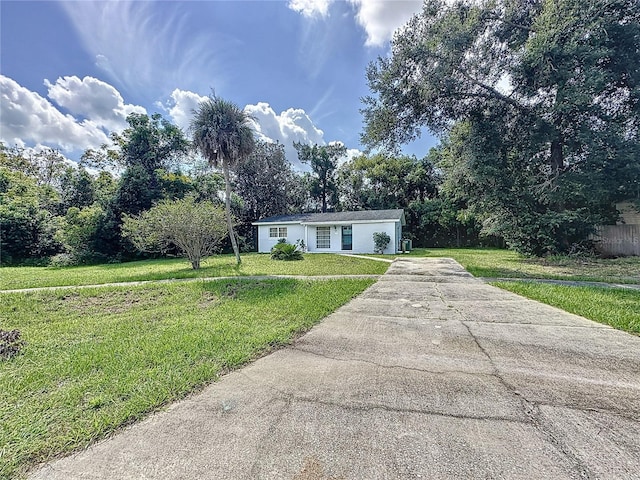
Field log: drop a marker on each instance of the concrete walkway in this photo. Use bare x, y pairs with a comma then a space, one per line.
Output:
186, 280
430, 373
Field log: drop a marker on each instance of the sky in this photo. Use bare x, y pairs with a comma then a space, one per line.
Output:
71, 72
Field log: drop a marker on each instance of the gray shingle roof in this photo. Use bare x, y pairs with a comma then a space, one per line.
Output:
363, 215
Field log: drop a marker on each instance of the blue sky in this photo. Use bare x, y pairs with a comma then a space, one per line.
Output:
72, 71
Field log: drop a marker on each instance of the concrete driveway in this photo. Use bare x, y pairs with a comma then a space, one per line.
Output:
428, 374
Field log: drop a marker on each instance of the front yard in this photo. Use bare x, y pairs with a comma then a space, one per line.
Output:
99, 358
217, 266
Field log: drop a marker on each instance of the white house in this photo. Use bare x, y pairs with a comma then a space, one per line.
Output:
334, 232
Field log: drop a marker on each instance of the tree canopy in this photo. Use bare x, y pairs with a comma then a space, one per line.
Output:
323, 160
549, 93
195, 228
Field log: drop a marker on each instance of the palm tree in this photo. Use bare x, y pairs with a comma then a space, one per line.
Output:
222, 133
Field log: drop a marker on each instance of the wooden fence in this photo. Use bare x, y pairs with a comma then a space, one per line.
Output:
619, 240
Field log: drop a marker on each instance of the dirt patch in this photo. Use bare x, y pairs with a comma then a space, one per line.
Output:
208, 300
113, 302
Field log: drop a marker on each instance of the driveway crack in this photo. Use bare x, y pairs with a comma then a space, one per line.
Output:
532, 412
390, 367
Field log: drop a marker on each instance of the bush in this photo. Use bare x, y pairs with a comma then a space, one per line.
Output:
62, 260
285, 251
380, 241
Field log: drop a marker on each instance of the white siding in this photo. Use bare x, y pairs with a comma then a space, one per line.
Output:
362, 236
265, 243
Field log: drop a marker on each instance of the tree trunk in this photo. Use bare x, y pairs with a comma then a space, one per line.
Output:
323, 207
227, 206
557, 156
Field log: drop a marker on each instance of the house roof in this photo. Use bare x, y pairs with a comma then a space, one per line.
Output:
337, 217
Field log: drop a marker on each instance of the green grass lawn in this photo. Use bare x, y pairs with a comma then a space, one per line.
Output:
495, 263
617, 307
99, 358
218, 266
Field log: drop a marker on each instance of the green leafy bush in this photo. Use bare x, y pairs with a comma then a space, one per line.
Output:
380, 241
286, 251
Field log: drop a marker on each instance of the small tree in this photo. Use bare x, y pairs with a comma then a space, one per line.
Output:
380, 241
195, 228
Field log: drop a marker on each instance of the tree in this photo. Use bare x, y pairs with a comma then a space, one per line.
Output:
548, 93
76, 188
222, 134
150, 142
45, 166
26, 228
263, 182
144, 152
265, 185
323, 160
383, 181
195, 228
78, 232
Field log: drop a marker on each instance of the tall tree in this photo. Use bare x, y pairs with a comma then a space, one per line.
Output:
549, 93
76, 188
222, 133
143, 152
150, 142
323, 160
264, 182
26, 228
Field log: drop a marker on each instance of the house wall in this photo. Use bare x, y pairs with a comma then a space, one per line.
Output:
362, 238
266, 243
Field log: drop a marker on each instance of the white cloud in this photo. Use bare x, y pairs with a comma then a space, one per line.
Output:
27, 117
94, 99
350, 155
182, 105
311, 8
292, 125
380, 18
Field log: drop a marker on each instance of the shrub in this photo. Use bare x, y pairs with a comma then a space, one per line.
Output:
62, 260
285, 251
10, 343
380, 241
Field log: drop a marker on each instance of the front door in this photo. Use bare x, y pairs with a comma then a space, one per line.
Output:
347, 237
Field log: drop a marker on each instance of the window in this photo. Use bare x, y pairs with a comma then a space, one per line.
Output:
323, 237
278, 232
347, 237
